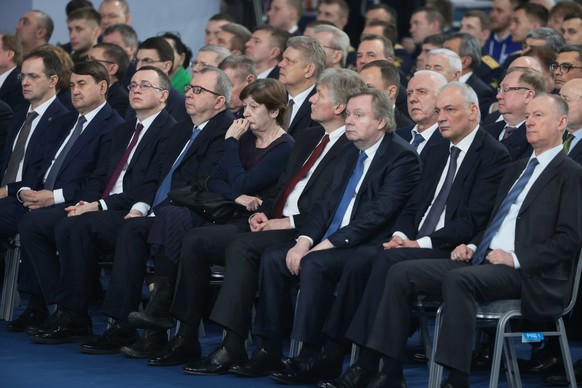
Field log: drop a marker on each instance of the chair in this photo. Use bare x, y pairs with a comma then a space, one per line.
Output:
502, 312
10, 296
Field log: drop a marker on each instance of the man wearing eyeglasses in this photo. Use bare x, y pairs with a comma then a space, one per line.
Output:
335, 42
116, 62
568, 65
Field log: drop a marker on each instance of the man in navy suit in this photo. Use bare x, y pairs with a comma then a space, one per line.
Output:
374, 178
303, 61
75, 152
527, 251
266, 48
10, 89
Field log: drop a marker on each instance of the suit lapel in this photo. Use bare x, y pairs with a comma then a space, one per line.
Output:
549, 173
328, 158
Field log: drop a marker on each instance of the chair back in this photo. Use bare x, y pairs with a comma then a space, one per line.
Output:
575, 284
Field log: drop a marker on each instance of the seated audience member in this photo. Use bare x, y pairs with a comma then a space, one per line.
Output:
116, 62
209, 56
568, 65
384, 75
193, 149
431, 42
425, 21
241, 72
265, 48
445, 62
10, 87
525, 17
233, 37
125, 37
372, 48
570, 92
544, 239
336, 12
543, 37
310, 26
114, 12
34, 29
213, 27
478, 24
572, 28
158, 52
381, 12
560, 11
285, 14
63, 90
336, 44
402, 58
5, 117
499, 45
84, 30
182, 57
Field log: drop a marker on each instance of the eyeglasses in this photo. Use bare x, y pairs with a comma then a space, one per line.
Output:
31, 76
507, 89
564, 67
198, 89
143, 86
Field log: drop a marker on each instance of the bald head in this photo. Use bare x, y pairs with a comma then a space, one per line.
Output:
526, 61
571, 92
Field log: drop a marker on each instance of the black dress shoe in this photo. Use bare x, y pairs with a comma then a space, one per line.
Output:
146, 321
28, 317
110, 341
149, 344
308, 370
381, 380
66, 327
483, 358
218, 362
354, 377
261, 364
179, 350
543, 362
562, 379
48, 322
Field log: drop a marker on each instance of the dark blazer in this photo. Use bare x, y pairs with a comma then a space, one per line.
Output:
485, 93
401, 119
406, 134
302, 119
175, 105
87, 156
547, 235
35, 150
491, 118
471, 197
385, 189
118, 98
402, 100
516, 144
201, 157
134, 180
490, 71
5, 118
318, 182
11, 91
576, 152
274, 73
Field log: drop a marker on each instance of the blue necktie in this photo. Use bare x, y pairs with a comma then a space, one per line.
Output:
166, 184
509, 200
349, 193
417, 140
434, 214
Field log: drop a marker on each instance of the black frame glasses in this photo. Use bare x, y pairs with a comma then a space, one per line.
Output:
507, 89
564, 67
143, 86
196, 89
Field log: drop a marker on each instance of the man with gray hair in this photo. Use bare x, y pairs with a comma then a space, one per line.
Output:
336, 44
446, 62
209, 55
34, 29
545, 36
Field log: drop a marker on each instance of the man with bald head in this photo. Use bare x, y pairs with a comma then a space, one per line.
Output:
571, 92
33, 30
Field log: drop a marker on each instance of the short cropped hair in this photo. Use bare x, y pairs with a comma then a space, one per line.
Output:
269, 92
223, 84
163, 48
163, 80
381, 106
115, 54
11, 43
311, 50
94, 69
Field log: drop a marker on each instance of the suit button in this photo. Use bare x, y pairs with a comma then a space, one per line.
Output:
346, 240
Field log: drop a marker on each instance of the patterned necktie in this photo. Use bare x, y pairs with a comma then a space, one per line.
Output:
418, 138
508, 131
434, 214
51, 179
502, 212
568, 142
315, 154
17, 154
122, 162
347, 196
166, 184
288, 114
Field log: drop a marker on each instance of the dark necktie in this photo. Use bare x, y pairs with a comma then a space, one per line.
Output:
122, 162
17, 154
418, 138
288, 114
347, 196
166, 184
508, 131
434, 214
49, 183
568, 142
315, 154
502, 212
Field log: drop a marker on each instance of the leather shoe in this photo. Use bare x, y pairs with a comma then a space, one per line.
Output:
66, 327
261, 364
354, 377
48, 322
562, 379
218, 362
110, 341
147, 321
543, 362
29, 316
149, 344
482, 359
179, 350
308, 370
381, 380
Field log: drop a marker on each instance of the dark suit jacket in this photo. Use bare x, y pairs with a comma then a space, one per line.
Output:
490, 71
118, 98
516, 144
36, 147
87, 156
201, 157
302, 119
318, 182
388, 184
471, 197
491, 118
274, 73
485, 93
5, 117
401, 119
175, 105
548, 234
134, 180
406, 134
11, 91
576, 152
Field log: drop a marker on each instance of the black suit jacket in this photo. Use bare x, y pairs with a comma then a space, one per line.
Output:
491, 118
401, 119
302, 119
5, 118
516, 144
318, 182
11, 91
274, 73
388, 184
470, 200
576, 152
548, 234
118, 98
406, 134
485, 93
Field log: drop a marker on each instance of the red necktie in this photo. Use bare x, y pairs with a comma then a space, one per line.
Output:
122, 161
280, 204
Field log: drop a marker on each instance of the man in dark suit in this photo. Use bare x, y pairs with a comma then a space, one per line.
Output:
527, 251
308, 174
570, 92
422, 91
10, 88
374, 177
517, 89
5, 118
90, 230
266, 48
303, 61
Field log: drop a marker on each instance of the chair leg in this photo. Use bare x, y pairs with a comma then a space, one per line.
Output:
10, 296
497, 351
355, 353
566, 356
435, 374
510, 358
